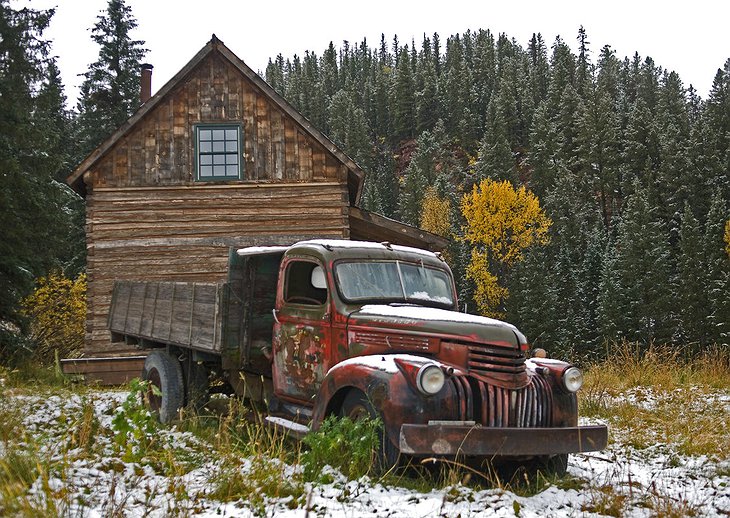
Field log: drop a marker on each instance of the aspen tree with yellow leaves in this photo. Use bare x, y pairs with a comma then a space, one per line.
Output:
501, 222
435, 213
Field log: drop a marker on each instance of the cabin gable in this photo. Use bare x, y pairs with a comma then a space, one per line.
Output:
161, 149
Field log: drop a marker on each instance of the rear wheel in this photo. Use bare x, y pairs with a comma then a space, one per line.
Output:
357, 406
163, 371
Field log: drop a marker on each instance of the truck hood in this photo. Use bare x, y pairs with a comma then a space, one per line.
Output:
437, 322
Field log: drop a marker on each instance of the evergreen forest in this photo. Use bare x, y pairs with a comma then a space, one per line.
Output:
630, 165
606, 177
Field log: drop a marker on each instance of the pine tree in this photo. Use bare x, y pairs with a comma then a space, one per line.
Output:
485, 71
543, 155
539, 69
717, 268
35, 226
638, 302
110, 91
640, 156
717, 122
404, 109
691, 282
597, 145
427, 97
495, 155
329, 73
275, 74
583, 72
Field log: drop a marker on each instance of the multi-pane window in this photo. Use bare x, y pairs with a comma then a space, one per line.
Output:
219, 152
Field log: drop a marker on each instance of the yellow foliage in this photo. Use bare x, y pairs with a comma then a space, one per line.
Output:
435, 215
488, 295
57, 311
501, 222
727, 237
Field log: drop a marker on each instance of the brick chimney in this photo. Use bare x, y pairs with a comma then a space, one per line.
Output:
145, 91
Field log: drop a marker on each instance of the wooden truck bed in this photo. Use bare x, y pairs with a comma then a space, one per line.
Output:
187, 314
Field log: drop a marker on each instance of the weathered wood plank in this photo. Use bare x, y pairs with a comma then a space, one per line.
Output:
305, 158
277, 140
250, 135
291, 161
176, 312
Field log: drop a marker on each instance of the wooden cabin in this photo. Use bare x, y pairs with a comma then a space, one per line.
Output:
216, 159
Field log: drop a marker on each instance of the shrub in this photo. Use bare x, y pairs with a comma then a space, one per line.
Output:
57, 313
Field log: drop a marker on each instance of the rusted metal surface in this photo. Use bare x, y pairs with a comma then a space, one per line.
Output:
459, 439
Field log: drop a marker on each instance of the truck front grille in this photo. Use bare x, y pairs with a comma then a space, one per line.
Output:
490, 405
506, 365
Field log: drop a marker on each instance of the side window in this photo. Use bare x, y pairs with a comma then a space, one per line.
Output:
218, 152
305, 284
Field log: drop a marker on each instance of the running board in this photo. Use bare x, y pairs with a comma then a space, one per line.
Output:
296, 430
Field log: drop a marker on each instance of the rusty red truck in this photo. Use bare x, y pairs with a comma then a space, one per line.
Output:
337, 327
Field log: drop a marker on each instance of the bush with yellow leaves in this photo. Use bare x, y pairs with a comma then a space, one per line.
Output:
57, 312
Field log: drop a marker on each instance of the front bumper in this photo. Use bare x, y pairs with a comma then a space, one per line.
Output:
459, 438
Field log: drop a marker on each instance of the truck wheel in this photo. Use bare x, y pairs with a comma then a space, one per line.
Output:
357, 406
163, 371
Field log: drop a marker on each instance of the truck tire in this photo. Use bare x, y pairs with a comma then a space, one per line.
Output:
356, 406
163, 371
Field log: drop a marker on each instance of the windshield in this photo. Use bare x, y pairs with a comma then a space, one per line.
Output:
393, 281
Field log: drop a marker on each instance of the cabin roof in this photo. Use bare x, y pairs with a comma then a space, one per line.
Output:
355, 175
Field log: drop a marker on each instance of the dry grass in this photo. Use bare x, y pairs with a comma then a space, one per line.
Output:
660, 395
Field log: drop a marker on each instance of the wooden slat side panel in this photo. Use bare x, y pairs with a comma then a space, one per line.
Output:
170, 312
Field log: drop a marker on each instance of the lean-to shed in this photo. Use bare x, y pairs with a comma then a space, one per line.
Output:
215, 159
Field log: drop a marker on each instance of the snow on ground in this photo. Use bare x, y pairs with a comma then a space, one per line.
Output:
100, 484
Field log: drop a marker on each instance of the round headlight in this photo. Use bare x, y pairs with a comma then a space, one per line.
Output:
572, 379
430, 379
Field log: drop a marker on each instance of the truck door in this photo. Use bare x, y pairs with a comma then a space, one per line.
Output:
301, 331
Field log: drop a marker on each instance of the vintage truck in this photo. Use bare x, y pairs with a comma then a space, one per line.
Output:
356, 329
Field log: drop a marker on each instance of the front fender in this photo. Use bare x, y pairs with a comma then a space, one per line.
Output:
388, 389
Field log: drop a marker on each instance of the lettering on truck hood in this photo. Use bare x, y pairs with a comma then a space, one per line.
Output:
438, 321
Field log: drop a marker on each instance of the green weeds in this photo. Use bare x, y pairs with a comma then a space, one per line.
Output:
348, 446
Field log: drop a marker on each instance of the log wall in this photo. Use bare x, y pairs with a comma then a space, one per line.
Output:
185, 233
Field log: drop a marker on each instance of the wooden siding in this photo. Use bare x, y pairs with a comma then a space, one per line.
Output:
184, 233
159, 149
